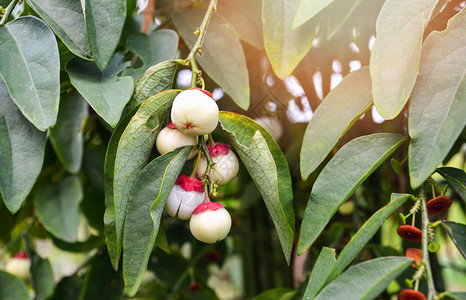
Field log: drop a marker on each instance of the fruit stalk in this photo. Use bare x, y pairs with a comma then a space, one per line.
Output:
425, 249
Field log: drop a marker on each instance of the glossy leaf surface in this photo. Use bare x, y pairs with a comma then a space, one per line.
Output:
269, 170
105, 92
402, 24
12, 287
352, 164
456, 178
323, 265
66, 18
145, 207
30, 67
340, 109
229, 69
437, 107
22, 150
457, 233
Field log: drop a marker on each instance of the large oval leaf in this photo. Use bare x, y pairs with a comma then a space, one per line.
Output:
222, 54
456, 178
366, 280
22, 150
57, 207
340, 109
155, 80
323, 265
66, 18
104, 24
340, 13
345, 172
366, 232
154, 48
106, 92
30, 66
307, 9
12, 287
66, 136
394, 68
437, 108
133, 151
269, 170
145, 208
285, 47
457, 233
40, 272
109, 170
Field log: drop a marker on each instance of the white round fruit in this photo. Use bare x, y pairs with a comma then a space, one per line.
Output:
185, 196
210, 226
272, 125
170, 139
226, 164
194, 112
19, 266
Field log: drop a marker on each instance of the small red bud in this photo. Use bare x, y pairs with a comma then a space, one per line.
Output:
411, 295
415, 254
194, 287
21, 255
410, 233
171, 125
190, 184
218, 149
437, 205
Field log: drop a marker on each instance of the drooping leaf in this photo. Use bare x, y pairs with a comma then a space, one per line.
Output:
437, 107
307, 9
366, 280
57, 207
323, 265
22, 149
30, 66
277, 294
339, 16
340, 109
88, 245
66, 136
229, 69
109, 169
133, 151
145, 208
456, 178
365, 233
105, 92
104, 24
66, 18
156, 79
402, 24
152, 49
12, 287
269, 170
285, 47
41, 273
102, 281
457, 233
245, 16
345, 172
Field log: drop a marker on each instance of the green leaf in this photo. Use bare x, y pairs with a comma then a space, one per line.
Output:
145, 208
222, 53
352, 164
66, 136
456, 178
307, 9
22, 150
105, 92
134, 149
101, 281
394, 69
285, 47
269, 170
156, 79
245, 16
340, 109
88, 245
323, 265
68, 288
366, 280
12, 287
41, 273
66, 18
104, 24
437, 107
277, 294
152, 49
456, 295
365, 233
57, 207
30, 66
343, 10
109, 169
457, 233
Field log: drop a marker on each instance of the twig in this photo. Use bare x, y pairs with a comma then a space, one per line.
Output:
425, 250
8, 10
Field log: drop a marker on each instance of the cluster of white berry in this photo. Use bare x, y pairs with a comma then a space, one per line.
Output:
195, 113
